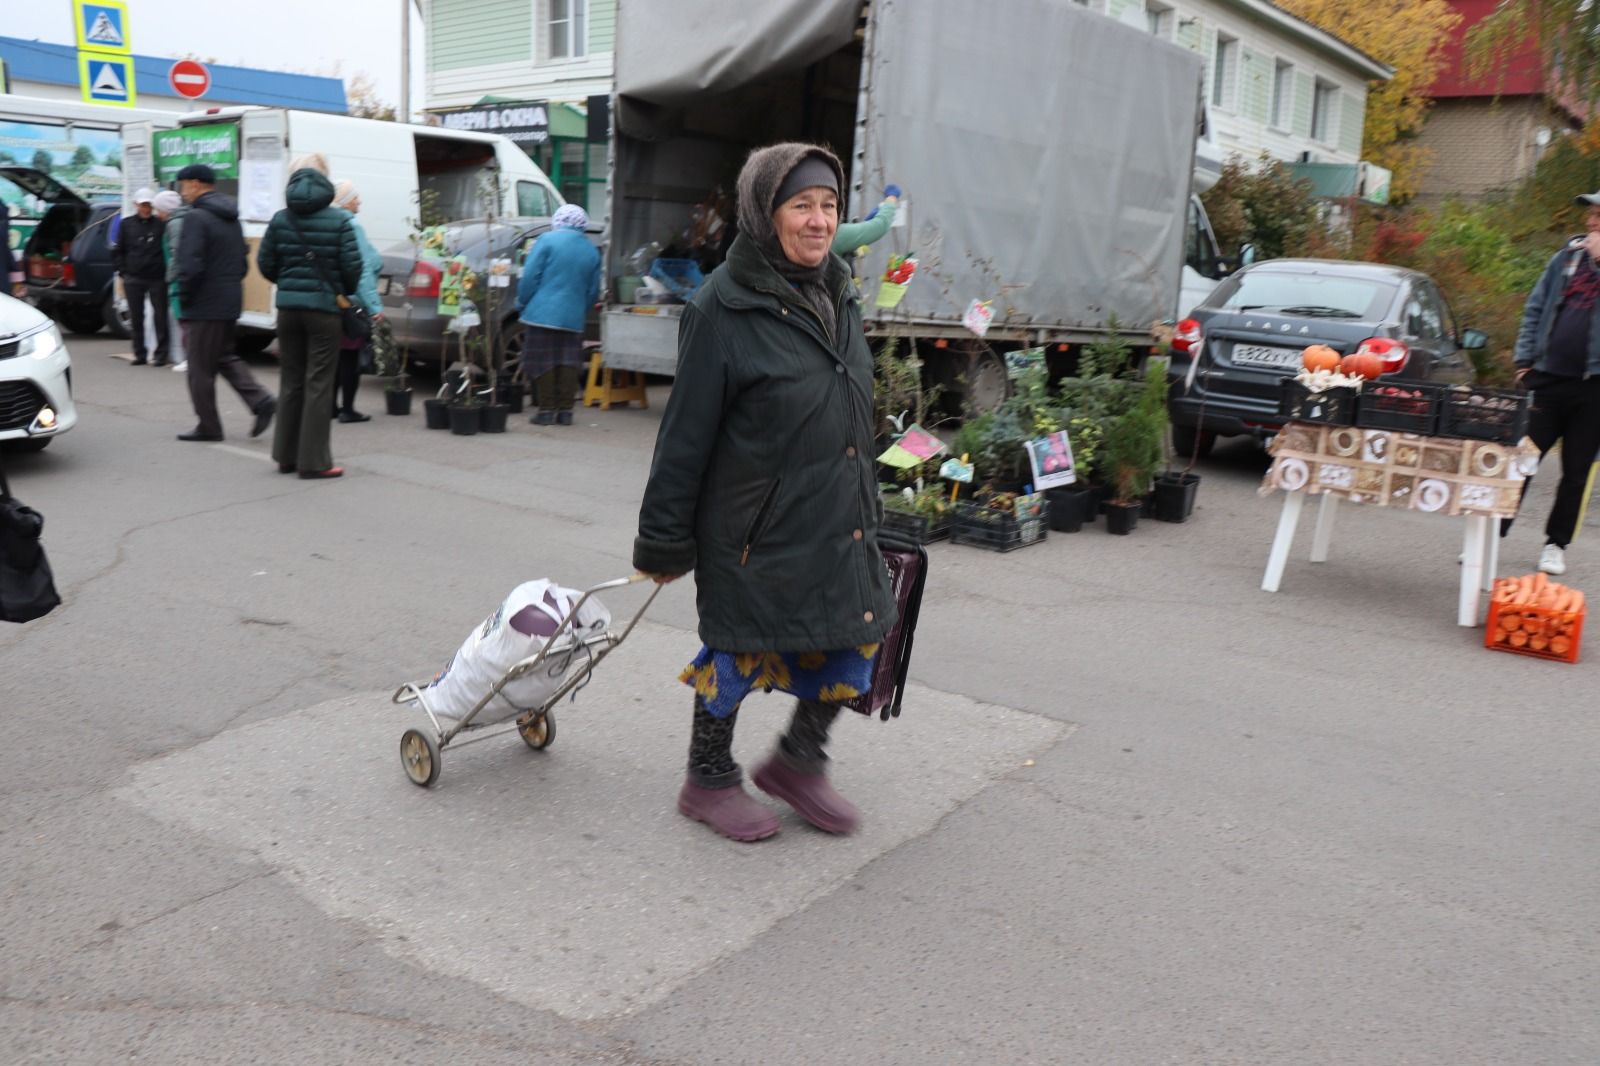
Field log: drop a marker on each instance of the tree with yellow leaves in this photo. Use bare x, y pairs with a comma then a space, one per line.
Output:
1409, 36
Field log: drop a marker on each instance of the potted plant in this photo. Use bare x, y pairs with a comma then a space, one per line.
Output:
485, 293
1132, 450
921, 512
390, 362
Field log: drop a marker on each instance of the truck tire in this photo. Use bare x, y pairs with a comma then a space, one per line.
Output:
119, 323
1192, 442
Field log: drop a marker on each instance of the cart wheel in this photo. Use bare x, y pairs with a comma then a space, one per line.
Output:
540, 731
419, 755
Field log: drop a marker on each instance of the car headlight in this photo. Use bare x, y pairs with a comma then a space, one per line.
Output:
42, 345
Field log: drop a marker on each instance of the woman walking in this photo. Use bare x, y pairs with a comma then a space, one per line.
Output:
310, 250
763, 485
348, 377
560, 282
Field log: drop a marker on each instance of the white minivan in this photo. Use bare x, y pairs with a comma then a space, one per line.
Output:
397, 167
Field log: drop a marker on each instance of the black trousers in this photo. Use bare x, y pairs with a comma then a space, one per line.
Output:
347, 380
210, 354
1568, 410
137, 290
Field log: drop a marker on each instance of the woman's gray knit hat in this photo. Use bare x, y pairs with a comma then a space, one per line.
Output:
764, 183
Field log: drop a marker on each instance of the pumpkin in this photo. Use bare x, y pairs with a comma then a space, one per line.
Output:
1362, 365
1320, 357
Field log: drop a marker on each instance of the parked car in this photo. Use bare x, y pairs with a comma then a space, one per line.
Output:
409, 286
1248, 336
67, 257
35, 378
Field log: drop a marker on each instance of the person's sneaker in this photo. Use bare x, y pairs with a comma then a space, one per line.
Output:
543, 418
181, 367
563, 418
1553, 560
731, 811
353, 416
811, 796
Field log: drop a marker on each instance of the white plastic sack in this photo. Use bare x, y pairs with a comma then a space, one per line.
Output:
522, 625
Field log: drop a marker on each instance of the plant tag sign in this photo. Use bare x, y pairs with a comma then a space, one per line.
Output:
955, 470
499, 273
466, 319
979, 314
1051, 459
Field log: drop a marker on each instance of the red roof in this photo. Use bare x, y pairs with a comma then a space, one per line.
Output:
1523, 75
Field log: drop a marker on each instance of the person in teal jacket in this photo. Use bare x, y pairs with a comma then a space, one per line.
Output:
560, 282
853, 235
347, 378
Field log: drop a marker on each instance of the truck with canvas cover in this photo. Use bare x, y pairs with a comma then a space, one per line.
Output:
1047, 155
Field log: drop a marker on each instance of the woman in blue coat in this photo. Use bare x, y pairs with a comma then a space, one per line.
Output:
560, 282
347, 378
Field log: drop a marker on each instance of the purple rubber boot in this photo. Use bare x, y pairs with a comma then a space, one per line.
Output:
810, 794
731, 811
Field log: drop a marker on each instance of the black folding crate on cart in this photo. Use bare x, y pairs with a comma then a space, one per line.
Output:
1499, 415
1334, 406
1410, 407
1000, 531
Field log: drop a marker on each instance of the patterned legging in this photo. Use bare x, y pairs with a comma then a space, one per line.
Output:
803, 747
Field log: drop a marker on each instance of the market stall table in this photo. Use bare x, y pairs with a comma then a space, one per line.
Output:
1476, 480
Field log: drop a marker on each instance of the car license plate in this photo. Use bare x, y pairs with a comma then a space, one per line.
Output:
1261, 355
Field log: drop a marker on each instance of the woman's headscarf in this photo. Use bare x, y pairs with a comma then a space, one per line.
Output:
344, 190
765, 175
570, 216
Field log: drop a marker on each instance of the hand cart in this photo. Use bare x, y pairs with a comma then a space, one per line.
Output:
420, 748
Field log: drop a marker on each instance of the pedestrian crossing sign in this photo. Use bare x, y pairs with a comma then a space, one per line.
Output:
102, 26
106, 79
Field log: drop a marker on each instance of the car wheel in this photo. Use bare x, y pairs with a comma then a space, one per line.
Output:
1192, 442
118, 320
83, 320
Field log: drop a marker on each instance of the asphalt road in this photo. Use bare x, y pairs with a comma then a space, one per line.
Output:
1136, 811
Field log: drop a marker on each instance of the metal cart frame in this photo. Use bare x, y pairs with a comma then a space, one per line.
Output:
421, 749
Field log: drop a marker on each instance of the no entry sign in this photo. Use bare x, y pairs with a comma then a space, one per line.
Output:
189, 78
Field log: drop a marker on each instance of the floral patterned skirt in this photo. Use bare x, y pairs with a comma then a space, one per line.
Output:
722, 679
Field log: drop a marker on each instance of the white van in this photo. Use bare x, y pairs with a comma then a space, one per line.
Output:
395, 166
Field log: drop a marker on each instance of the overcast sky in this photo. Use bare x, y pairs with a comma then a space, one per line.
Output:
333, 37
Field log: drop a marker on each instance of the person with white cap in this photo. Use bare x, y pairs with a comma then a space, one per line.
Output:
1558, 357
170, 208
560, 282
347, 377
139, 261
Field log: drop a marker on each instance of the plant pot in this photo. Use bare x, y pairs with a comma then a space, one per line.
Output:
1122, 518
512, 399
465, 419
437, 413
1069, 508
398, 401
1174, 496
494, 417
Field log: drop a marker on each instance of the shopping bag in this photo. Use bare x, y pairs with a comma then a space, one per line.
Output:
907, 562
525, 622
27, 588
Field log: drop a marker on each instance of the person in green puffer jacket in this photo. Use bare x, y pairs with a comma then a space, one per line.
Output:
313, 255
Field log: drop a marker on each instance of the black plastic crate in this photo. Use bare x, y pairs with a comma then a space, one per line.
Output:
1334, 406
1499, 415
998, 531
1408, 406
924, 529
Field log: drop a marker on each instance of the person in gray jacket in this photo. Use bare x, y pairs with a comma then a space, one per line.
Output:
1558, 357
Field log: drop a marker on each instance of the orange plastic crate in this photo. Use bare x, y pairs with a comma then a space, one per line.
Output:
1536, 631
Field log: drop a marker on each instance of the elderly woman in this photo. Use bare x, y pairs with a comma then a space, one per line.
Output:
763, 485
560, 282
347, 378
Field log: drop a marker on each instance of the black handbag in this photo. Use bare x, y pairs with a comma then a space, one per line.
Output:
354, 321
27, 588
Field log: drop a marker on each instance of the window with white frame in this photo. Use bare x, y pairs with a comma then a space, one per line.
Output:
1325, 112
1159, 18
568, 29
1282, 95
1224, 71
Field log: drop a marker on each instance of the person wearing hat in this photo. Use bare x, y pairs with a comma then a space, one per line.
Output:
763, 485
212, 263
170, 209
1558, 357
347, 379
138, 259
560, 282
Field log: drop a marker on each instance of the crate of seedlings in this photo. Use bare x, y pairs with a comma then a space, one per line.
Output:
1500, 415
922, 527
1001, 522
1408, 406
1534, 616
1332, 406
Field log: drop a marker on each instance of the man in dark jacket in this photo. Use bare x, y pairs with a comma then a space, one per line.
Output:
138, 258
1558, 357
212, 262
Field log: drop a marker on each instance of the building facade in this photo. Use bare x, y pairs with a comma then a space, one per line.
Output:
1487, 133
